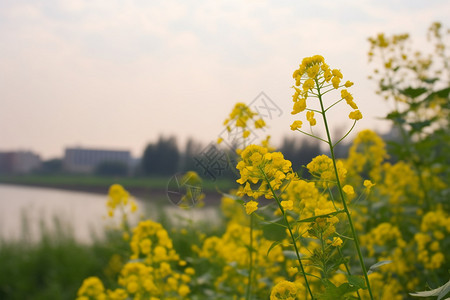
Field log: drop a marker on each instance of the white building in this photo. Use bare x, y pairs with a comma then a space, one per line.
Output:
19, 162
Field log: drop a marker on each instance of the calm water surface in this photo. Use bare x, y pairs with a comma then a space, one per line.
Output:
83, 212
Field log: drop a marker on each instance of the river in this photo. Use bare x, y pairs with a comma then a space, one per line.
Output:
24, 209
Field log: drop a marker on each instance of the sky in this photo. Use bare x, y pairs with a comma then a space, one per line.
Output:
114, 74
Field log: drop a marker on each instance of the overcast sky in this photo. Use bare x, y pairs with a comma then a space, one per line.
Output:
117, 74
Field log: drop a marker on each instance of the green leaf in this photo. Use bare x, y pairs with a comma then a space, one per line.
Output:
276, 221
274, 244
413, 92
444, 93
274, 231
385, 87
204, 279
444, 291
312, 219
418, 126
396, 117
357, 281
290, 254
332, 292
440, 292
243, 272
377, 265
430, 80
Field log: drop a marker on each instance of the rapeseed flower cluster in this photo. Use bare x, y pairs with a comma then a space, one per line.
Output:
434, 229
119, 198
154, 270
386, 243
121, 203
392, 217
229, 254
321, 167
192, 183
309, 202
285, 290
262, 172
384, 287
240, 117
366, 156
313, 79
232, 211
91, 289
304, 244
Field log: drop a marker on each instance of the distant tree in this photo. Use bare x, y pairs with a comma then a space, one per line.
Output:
111, 168
191, 150
51, 166
161, 158
300, 152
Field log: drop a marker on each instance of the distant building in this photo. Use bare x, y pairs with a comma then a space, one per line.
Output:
19, 162
80, 160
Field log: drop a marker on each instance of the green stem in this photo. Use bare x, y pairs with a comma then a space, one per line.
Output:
348, 269
311, 135
348, 132
290, 233
341, 193
332, 105
250, 268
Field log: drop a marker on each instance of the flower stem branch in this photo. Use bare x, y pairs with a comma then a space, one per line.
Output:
348, 132
290, 233
250, 268
341, 193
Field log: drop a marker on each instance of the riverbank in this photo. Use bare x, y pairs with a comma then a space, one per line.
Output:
50, 240
144, 188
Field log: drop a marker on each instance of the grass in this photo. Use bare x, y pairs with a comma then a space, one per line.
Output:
102, 183
53, 267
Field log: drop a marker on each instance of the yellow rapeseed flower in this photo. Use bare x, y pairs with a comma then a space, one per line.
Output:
368, 184
348, 189
348, 98
251, 206
296, 125
322, 167
287, 204
299, 106
284, 290
91, 288
260, 123
308, 84
337, 242
315, 77
259, 166
355, 115
348, 84
310, 117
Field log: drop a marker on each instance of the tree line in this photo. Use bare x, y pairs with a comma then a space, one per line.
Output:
164, 157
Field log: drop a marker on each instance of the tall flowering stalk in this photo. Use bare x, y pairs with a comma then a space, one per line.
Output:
314, 79
262, 174
417, 84
120, 201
